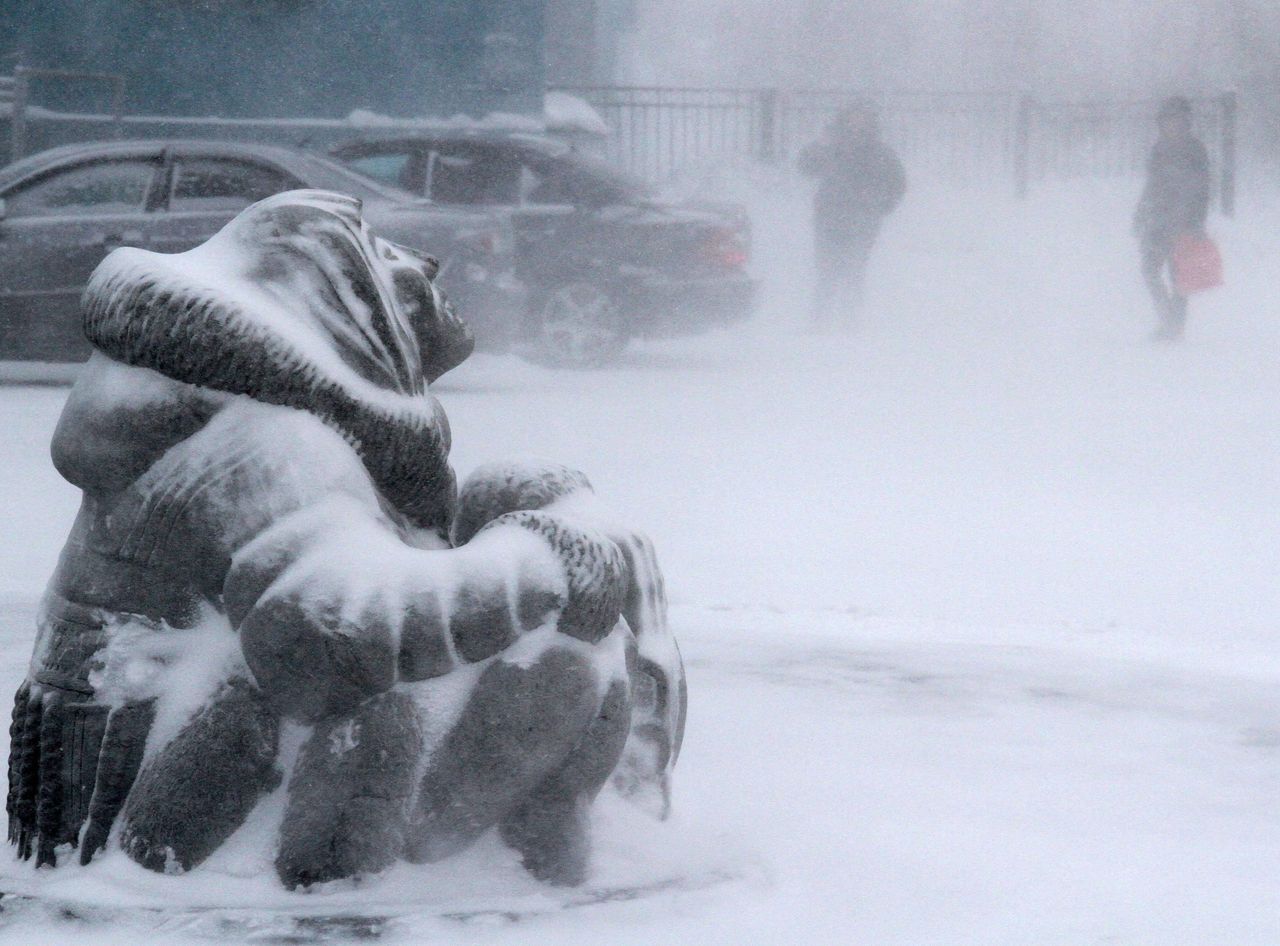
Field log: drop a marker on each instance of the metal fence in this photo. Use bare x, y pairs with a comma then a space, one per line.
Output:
987, 137
658, 132
655, 132
962, 138
1061, 141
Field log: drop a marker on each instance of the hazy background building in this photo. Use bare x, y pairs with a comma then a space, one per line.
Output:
323, 58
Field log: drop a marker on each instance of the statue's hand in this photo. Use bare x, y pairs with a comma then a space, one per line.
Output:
594, 569
312, 661
331, 617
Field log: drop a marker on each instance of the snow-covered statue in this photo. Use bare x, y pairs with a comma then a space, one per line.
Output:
276, 612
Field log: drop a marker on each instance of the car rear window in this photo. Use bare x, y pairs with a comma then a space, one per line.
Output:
326, 175
474, 177
574, 179
387, 168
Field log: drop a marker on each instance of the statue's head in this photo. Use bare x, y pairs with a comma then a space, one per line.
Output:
315, 255
297, 302
300, 272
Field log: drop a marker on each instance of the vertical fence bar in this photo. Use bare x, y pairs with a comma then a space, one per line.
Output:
1230, 105
768, 104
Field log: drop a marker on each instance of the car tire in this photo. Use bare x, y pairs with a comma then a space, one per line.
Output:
578, 325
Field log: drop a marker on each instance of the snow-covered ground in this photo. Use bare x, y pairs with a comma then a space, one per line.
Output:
979, 602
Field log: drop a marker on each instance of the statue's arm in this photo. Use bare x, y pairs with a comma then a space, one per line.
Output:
657, 679
333, 607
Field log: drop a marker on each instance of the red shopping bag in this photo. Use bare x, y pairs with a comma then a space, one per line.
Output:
1197, 264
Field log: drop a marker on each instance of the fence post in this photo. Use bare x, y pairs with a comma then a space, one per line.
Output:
18, 120
1230, 106
1022, 148
769, 125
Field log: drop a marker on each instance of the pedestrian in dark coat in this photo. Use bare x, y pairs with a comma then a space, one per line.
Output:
1174, 202
860, 181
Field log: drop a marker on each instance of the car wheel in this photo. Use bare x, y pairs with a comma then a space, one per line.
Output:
579, 326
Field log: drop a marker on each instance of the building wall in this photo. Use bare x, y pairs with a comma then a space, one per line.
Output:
285, 58
584, 40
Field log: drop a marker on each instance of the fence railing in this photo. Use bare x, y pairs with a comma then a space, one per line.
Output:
1060, 140
960, 137
966, 138
658, 132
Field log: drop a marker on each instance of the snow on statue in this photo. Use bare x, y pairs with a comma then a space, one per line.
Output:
271, 541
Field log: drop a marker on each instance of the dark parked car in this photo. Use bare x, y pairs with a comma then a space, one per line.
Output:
604, 260
62, 210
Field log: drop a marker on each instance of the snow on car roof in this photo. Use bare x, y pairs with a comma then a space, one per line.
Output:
544, 143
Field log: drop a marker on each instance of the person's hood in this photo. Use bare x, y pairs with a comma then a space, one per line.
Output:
295, 302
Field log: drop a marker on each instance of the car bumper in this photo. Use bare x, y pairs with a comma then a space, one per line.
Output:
660, 306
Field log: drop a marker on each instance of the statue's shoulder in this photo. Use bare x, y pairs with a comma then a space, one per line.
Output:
119, 420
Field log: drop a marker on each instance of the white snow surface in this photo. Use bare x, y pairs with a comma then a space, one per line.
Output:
979, 605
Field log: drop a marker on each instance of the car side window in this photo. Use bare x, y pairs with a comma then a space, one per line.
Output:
219, 184
474, 177
100, 187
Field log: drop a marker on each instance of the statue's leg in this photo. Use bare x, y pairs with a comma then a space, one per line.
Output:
201, 786
119, 760
520, 723
349, 794
550, 828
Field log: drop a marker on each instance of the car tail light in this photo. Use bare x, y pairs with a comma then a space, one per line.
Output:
725, 249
